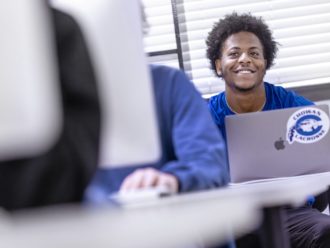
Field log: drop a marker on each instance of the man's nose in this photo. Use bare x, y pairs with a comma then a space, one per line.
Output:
244, 58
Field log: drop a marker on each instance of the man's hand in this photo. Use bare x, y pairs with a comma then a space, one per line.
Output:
149, 178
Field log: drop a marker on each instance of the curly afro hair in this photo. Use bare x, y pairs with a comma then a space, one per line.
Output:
235, 23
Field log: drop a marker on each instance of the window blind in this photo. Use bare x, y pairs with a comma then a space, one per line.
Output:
302, 27
160, 39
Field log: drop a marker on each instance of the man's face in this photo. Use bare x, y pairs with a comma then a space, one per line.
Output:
242, 64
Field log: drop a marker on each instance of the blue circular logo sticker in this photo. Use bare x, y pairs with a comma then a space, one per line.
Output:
307, 125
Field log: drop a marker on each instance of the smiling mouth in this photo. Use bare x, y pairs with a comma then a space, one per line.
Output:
244, 71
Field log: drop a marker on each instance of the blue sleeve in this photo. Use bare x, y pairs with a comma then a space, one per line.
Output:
200, 149
213, 106
218, 113
297, 100
290, 99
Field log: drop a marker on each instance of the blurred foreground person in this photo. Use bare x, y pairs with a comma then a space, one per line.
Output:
61, 174
193, 151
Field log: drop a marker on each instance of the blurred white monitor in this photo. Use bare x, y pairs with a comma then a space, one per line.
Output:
29, 90
113, 31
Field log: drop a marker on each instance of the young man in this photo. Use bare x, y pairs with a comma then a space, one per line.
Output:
240, 49
193, 152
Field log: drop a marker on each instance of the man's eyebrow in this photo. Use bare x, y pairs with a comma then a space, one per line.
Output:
255, 48
238, 48
234, 48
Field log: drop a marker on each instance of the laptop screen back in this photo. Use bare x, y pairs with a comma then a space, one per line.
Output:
113, 32
278, 143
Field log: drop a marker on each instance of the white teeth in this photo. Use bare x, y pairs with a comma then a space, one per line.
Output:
244, 71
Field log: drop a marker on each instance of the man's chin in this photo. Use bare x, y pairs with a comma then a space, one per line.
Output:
245, 88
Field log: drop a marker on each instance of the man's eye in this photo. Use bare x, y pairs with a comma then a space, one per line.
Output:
254, 54
233, 54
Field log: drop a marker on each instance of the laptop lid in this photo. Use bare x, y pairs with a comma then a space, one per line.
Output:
278, 143
113, 31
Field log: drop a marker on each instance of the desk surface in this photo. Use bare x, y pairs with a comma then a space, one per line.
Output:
178, 224
166, 222
269, 192
286, 190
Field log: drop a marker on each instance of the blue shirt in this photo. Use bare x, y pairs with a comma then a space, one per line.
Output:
192, 148
276, 98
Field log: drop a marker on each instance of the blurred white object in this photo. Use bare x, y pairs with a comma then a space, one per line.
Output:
113, 32
140, 195
171, 222
29, 89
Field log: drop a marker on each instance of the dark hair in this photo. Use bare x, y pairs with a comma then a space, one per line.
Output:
235, 23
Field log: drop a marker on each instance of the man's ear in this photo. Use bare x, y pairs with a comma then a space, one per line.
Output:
218, 67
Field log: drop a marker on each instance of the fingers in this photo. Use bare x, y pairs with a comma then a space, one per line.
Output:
141, 178
147, 178
151, 177
169, 181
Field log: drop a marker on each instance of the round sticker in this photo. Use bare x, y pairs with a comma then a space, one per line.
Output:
307, 125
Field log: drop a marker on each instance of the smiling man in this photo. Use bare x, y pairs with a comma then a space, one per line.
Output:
240, 49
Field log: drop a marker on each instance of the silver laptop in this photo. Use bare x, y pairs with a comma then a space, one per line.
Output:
278, 143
